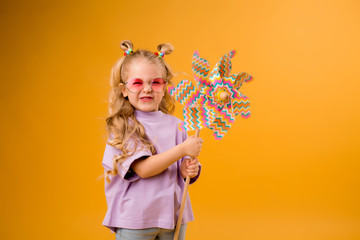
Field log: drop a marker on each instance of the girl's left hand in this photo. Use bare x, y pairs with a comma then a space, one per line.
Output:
189, 167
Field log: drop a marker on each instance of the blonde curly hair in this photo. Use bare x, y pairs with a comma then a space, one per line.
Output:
121, 123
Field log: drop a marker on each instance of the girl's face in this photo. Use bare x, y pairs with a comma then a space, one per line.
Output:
141, 71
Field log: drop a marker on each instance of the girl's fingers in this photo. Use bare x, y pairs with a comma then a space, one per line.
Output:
190, 162
193, 167
193, 171
194, 161
192, 175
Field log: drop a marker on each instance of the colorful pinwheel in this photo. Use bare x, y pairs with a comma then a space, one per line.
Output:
214, 103
216, 100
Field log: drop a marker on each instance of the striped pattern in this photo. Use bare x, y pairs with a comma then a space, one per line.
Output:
239, 79
196, 117
185, 92
241, 106
200, 68
222, 123
224, 64
195, 114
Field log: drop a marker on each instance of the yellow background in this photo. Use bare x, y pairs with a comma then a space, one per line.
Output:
291, 171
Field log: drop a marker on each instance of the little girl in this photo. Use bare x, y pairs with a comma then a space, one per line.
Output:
146, 157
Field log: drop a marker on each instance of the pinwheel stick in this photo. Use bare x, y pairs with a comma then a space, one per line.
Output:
213, 102
183, 199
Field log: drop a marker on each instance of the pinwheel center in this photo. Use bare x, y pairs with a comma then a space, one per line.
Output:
222, 95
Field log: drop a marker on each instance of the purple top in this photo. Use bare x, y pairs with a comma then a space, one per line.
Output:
138, 203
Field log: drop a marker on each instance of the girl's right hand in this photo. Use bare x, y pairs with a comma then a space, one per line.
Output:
192, 146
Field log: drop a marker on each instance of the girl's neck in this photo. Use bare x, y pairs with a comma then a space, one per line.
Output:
154, 114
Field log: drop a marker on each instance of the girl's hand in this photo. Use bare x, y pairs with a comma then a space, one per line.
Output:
189, 167
192, 146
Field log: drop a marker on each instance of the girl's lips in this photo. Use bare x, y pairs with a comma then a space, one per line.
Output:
146, 99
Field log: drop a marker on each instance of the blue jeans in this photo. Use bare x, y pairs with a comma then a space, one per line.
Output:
149, 233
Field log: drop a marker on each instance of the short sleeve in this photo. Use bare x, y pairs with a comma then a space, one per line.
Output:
124, 167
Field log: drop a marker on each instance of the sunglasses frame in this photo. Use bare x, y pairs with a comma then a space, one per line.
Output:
125, 83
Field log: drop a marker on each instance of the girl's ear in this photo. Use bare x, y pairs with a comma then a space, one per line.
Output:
124, 92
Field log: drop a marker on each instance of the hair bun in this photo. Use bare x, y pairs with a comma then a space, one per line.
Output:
126, 44
167, 48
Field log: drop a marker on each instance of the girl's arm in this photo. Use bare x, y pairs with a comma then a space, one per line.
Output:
155, 164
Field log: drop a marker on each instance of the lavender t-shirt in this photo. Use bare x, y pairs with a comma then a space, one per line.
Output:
138, 203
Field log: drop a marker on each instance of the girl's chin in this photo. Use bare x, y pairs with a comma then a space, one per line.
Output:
147, 109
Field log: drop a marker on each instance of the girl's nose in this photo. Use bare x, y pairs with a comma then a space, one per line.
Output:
147, 87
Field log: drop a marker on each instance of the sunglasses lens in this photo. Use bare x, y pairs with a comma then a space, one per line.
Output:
158, 85
135, 85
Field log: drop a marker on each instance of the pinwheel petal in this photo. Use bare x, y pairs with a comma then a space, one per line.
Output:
222, 123
186, 93
196, 117
241, 106
239, 79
